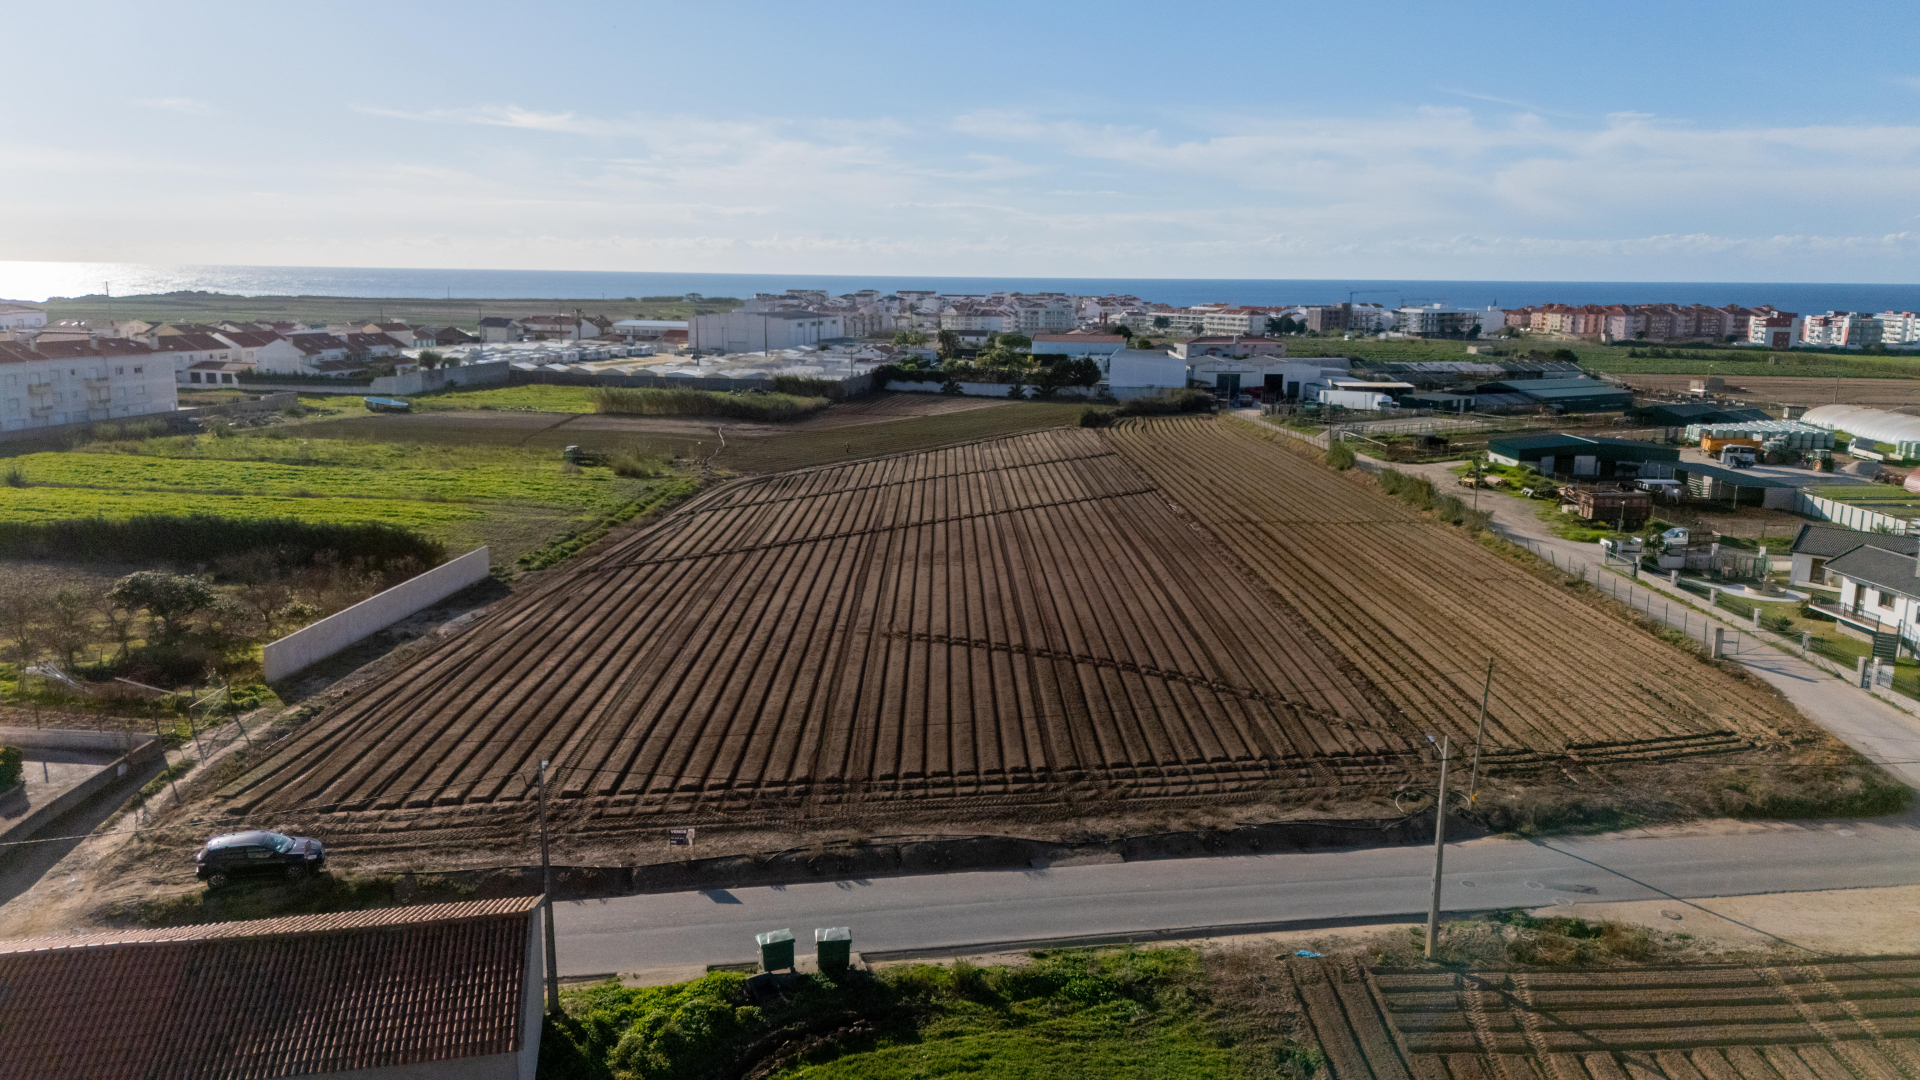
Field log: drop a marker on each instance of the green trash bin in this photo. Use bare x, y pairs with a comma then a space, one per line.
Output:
776, 950
833, 948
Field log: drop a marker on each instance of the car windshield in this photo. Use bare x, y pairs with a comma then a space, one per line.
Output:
281, 844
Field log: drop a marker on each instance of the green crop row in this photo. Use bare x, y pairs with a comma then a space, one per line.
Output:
42, 504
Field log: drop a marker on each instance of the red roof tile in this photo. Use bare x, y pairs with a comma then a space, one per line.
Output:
269, 997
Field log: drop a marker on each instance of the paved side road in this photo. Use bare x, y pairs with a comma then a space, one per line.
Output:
1232, 894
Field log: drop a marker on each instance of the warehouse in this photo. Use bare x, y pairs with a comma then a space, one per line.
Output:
1736, 488
1677, 414
1571, 395
1578, 455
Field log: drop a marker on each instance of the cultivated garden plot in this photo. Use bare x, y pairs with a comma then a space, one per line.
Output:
1835, 1020
1002, 621
1420, 607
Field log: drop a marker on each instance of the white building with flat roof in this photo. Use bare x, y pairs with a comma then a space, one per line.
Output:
18, 316
760, 331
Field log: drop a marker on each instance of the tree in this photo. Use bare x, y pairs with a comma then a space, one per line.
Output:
1283, 324
1161, 322
1473, 332
22, 608
1123, 330
1015, 341
431, 358
949, 346
170, 600
69, 620
911, 339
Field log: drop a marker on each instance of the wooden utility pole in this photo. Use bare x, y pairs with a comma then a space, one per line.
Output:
1439, 851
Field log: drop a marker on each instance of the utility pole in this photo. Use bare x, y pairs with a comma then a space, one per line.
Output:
1473, 781
546, 873
1439, 850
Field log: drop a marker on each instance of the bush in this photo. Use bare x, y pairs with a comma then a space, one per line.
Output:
808, 387
1340, 455
1178, 401
16, 476
12, 765
194, 539
774, 408
640, 466
1092, 417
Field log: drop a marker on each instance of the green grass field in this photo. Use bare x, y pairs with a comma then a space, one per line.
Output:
553, 399
1888, 499
1115, 1015
516, 501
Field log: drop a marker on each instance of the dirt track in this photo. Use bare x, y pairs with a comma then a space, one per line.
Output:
1176, 608
1836, 1020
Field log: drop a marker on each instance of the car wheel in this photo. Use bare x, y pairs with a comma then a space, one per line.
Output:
216, 880
296, 872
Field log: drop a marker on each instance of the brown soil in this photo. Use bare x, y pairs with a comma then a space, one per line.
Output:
1046, 627
1899, 394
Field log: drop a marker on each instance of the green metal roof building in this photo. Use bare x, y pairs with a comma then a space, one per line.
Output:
1579, 455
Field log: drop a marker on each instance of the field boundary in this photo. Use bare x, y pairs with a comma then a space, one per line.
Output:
311, 644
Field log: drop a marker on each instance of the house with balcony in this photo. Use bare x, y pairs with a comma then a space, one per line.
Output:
1879, 580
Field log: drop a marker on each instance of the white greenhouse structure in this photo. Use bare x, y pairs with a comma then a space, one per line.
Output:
1897, 433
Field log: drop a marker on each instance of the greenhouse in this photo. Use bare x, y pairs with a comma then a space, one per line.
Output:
1897, 432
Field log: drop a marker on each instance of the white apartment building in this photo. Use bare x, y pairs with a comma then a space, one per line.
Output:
1043, 313
17, 316
1841, 330
1436, 320
759, 331
72, 382
1773, 329
186, 350
1900, 329
980, 318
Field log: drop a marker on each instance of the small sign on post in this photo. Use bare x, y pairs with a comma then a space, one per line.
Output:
680, 837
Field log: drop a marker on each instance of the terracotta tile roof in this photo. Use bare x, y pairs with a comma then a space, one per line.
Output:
189, 343
269, 997
246, 339
316, 342
14, 352
76, 350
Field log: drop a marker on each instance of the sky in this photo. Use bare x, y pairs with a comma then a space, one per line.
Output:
1617, 140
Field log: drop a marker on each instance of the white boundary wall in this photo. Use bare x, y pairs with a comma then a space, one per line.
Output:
310, 645
1853, 517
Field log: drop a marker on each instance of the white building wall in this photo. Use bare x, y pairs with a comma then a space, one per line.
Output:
50, 392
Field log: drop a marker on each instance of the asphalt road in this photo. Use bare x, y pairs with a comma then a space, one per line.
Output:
1244, 894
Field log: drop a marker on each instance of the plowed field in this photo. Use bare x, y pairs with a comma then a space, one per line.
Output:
1171, 609
1837, 1020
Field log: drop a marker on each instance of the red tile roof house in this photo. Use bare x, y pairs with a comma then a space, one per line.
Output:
410, 993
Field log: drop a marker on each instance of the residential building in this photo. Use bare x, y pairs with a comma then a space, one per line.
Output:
186, 350
371, 345
759, 331
498, 329
452, 335
213, 373
555, 328
978, 316
1899, 329
1042, 312
427, 992
264, 350
1841, 330
69, 382
1773, 329
19, 316
320, 354
1879, 580
637, 330
1079, 343
1236, 345
1436, 320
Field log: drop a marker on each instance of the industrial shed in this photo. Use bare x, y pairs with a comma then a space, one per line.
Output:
1715, 484
408, 993
1579, 455
1573, 395
1683, 414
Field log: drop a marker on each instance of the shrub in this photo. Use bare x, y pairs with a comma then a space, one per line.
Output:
1092, 417
677, 402
640, 466
12, 764
808, 387
16, 476
169, 599
1340, 456
1178, 401
194, 539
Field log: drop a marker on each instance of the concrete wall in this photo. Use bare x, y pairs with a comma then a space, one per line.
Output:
138, 752
999, 390
854, 384
1852, 517
492, 373
310, 645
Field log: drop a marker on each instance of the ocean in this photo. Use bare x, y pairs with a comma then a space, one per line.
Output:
38, 281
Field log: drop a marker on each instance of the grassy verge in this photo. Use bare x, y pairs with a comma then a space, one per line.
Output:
1114, 1014
531, 398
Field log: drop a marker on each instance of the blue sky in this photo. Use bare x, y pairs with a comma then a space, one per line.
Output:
1619, 140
